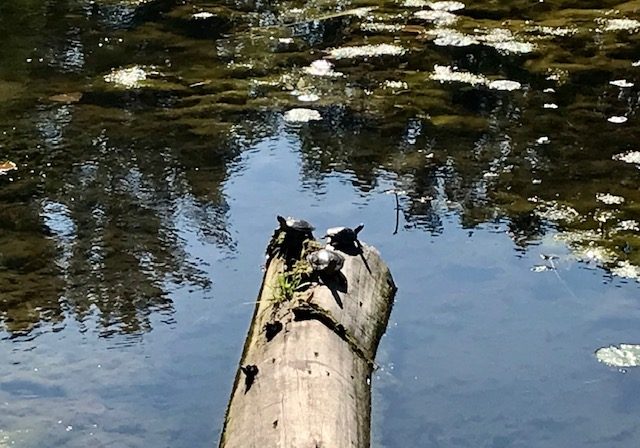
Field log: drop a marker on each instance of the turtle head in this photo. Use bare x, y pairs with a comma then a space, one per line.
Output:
282, 221
358, 229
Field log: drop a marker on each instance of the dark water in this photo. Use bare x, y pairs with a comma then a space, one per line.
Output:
133, 231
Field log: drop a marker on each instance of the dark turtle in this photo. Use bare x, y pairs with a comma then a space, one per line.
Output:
289, 238
250, 371
325, 261
298, 225
343, 236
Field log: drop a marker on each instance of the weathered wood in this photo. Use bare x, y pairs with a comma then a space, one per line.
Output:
314, 353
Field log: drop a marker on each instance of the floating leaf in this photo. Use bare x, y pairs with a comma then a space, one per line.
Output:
7, 166
415, 3
381, 27
322, 67
625, 269
444, 73
554, 31
367, 51
446, 37
555, 211
438, 17
308, 97
446, 5
629, 157
609, 199
621, 24
203, 15
388, 84
301, 115
129, 78
505, 42
596, 254
628, 224
627, 355
504, 84
621, 83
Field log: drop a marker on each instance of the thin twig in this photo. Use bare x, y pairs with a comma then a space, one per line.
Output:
395, 231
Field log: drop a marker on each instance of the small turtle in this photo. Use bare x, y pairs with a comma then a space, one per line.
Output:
250, 371
325, 261
343, 236
298, 225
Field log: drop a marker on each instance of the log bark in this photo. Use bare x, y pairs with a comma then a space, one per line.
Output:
305, 372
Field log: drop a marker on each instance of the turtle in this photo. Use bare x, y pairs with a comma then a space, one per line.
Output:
325, 261
297, 225
250, 371
289, 238
343, 236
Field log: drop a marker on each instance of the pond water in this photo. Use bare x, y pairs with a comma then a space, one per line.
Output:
147, 146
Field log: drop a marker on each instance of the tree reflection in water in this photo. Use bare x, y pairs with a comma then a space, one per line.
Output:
109, 174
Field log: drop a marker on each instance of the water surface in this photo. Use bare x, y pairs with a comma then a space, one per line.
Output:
152, 155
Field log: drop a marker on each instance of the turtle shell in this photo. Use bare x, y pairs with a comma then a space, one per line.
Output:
326, 261
344, 235
299, 225
333, 231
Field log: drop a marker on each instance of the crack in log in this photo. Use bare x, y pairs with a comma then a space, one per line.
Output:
310, 311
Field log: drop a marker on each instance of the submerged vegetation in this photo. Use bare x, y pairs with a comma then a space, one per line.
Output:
119, 112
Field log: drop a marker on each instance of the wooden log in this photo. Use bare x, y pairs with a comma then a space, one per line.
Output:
305, 372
